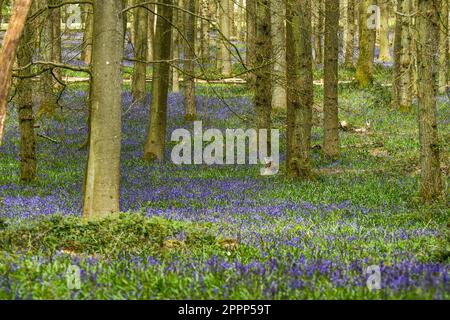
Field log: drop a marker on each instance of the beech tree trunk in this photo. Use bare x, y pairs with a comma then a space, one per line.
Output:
224, 61
140, 53
86, 54
431, 185
263, 85
8, 54
443, 47
251, 40
385, 50
24, 99
350, 39
156, 137
279, 50
300, 88
189, 63
367, 37
331, 118
101, 190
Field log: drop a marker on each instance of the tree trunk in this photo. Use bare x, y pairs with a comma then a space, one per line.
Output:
48, 103
176, 42
140, 53
8, 53
101, 191
204, 39
367, 38
86, 54
251, 40
189, 63
151, 32
331, 118
350, 39
300, 88
263, 86
224, 62
443, 47
25, 104
1, 9
279, 49
385, 49
431, 185
318, 31
156, 137
402, 82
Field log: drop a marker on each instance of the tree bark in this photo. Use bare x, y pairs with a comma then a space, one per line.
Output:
101, 191
331, 118
24, 96
350, 39
8, 53
431, 185
385, 50
189, 63
139, 78
443, 47
86, 54
156, 137
251, 40
367, 37
263, 86
318, 31
279, 49
224, 62
300, 88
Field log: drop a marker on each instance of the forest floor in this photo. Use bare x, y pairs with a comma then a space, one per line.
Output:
225, 231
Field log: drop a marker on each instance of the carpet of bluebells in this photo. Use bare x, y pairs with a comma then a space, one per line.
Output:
290, 239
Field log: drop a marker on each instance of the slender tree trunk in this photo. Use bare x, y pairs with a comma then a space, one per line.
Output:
263, 86
24, 97
385, 50
151, 31
402, 82
331, 118
319, 30
101, 190
443, 47
279, 50
48, 103
86, 54
176, 50
350, 39
251, 40
225, 66
367, 37
140, 53
300, 88
204, 39
431, 185
189, 64
241, 21
156, 137
8, 53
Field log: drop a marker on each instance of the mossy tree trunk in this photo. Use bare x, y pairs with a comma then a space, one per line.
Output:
385, 49
263, 57
279, 50
300, 88
331, 118
139, 78
189, 62
367, 38
443, 47
156, 136
431, 185
24, 96
251, 40
350, 38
